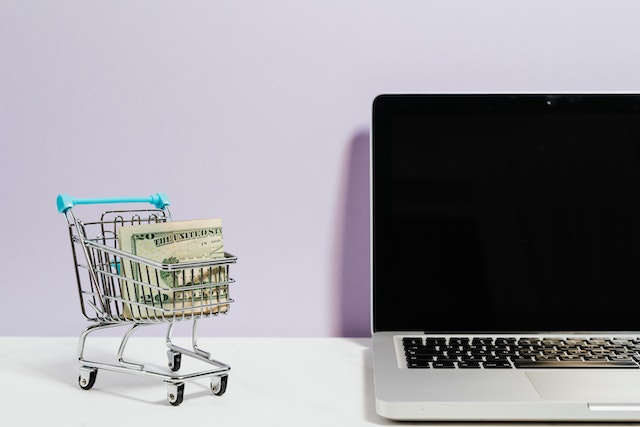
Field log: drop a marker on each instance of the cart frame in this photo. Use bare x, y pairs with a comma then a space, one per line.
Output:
198, 290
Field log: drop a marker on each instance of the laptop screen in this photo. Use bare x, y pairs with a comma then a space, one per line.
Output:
506, 213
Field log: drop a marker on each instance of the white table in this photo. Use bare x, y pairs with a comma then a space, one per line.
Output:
272, 382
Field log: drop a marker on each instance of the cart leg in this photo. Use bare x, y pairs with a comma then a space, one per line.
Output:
169, 333
194, 343
85, 333
194, 340
196, 353
173, 354
123, 344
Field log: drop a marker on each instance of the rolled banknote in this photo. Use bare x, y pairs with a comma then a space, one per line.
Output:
182, 291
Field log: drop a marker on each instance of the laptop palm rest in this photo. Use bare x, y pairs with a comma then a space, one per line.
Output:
596, 386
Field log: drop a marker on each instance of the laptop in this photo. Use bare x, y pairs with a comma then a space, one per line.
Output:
506, 256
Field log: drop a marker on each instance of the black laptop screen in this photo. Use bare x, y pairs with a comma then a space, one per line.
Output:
506, 213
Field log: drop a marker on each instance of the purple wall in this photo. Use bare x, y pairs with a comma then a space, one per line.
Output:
256, 112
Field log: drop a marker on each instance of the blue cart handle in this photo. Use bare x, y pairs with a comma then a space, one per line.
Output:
66, 202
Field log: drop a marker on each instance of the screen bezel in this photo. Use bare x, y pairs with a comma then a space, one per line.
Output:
386, 106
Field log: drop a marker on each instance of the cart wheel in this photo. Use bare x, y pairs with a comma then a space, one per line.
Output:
87, 378
175, 359
219, 384
175, 393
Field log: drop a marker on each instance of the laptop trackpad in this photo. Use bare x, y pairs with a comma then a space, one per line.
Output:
592, 386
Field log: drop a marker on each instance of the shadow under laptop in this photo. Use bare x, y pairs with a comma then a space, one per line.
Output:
353, 286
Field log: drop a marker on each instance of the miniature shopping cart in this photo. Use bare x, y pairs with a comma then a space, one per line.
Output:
110, 298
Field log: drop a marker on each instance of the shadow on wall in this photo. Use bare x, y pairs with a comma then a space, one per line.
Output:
353, 281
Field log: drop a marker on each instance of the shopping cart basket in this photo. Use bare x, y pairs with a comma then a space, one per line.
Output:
109, 298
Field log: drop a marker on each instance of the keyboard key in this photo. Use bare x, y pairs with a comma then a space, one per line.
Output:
496, 365
570, 358
595, 358
419, 359
412, 341
458, 341
544, 357
496, 359
574, 364
422, 352
472, 358
443, 365
619, 357
467, 365
505, 341
436, 341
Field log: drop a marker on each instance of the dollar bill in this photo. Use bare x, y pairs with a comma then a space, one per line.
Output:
157, 293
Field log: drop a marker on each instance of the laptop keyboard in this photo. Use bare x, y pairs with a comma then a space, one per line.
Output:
505, 353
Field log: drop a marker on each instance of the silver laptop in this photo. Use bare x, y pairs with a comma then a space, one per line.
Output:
506, 257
